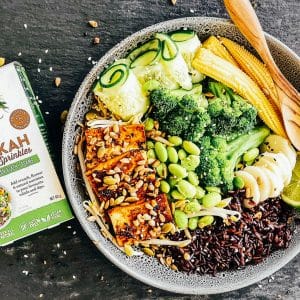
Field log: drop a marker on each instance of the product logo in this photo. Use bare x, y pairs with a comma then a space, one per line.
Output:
19, 119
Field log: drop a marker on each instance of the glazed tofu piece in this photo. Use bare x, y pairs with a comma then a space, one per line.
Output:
102, 144
140, 221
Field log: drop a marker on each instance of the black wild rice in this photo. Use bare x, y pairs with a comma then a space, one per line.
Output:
261, 230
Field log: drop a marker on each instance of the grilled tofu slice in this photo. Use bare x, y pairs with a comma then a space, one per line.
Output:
141, 220
102, 144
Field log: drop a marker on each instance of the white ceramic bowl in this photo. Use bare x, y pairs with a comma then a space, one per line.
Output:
145, 268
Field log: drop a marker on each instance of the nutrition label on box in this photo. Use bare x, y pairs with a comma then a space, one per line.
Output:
35, 199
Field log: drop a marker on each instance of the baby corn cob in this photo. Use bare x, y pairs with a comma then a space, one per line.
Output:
254, 68
221, 70
215, 46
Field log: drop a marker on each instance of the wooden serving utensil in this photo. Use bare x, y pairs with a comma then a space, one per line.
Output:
245, 18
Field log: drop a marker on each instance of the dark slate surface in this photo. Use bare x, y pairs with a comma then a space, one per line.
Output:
62, 262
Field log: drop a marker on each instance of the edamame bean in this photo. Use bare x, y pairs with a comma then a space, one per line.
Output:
150, 145
162, 170
211, 200
172, 155
191, 148
161, 151
205, 221
211, 189
193, 178
192, 207
175, 140
164, 187
172, 181
251, 154
181, 219
238, 182
200, 192
151, 153
149, 124
191, 162
182, 154
193, 223
177, 170
186, 189
176, 195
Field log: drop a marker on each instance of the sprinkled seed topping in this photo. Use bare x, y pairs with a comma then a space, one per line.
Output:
93, 23
57, 81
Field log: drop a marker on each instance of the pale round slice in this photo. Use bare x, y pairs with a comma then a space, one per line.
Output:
270, 164
283, 163
262, 180
275, 143
252, 189
276, 184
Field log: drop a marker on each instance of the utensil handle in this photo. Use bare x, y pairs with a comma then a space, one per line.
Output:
245, 18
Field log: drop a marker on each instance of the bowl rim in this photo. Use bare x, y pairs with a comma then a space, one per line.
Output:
77, 209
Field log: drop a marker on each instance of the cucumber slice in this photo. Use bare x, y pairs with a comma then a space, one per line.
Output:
182, 35
114, 75
153, 44
169, 49
149, 57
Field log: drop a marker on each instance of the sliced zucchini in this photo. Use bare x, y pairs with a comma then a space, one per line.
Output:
153, 44
149, 57
188, 42
173, 62
182, 35
119, 89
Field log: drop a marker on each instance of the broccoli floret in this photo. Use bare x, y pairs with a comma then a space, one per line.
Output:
163, 102
179, 116
218, 158
230, 114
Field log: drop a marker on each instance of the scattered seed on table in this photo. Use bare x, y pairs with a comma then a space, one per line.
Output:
40, 60
96, 40
93, 23
57, 81
173, 2
46, 51
25, 26
20, 53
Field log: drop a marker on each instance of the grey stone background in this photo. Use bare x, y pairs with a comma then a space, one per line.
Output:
62, 263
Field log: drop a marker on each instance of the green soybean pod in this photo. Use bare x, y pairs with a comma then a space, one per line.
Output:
175, 140
161, 151
150, 145
172, 181
149, 124
193, 178
200, 192
172, 154
193, 223
238, 182
182, 154
186, 188
162, 170
211, 189
191, 162
191, 148
181, 219
250, 155
205, 221
176, 195
211, 200
177, 170
164, 187
192, 207
151, 153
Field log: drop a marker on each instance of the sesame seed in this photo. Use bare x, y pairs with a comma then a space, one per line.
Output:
40, 60
46, 51
39, 70
89, 58
20, 53
50, 69
25, 272
25, 26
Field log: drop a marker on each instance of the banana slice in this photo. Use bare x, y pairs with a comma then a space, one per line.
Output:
252, 189
276, 184
269, 163
262, 180
283, 163
276, 144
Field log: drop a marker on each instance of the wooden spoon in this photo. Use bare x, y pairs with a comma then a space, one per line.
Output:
245, 18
